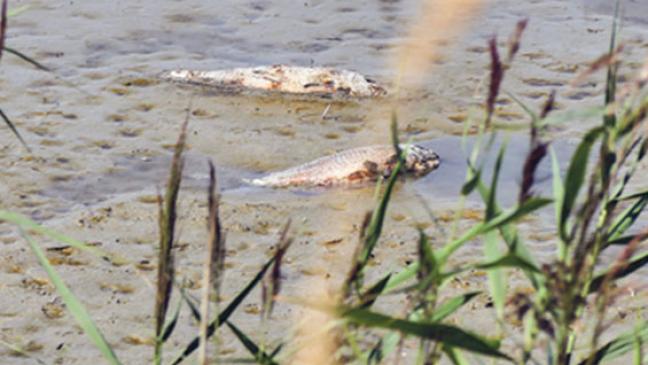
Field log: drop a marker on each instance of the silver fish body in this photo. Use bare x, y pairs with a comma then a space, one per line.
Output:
321, 81
353, 166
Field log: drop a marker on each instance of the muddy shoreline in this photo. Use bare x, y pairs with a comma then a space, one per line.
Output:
102, 128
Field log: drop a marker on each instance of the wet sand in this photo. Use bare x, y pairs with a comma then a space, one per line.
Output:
102, 127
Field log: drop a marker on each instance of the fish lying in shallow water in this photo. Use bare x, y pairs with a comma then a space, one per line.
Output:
317, 81
354, 166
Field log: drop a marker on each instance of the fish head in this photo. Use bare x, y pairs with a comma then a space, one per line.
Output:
421, 160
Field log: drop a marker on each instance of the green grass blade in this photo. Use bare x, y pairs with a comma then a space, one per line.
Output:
491, 206
470, 185
496, 278
14, 130
27, 224
452, 305
638, 346
444, 334
454, 355
534, 117
26, 58
73, 304
509, 260
558, 196
191, 302
557, 183
623, 240
633, 265
169, 327
399, 278
500, 222
260, 356
226, 313
558, 118
627, 218
529, 206
611, 78
385, 347
17, 11
372, 294
276, 350
575, 178
21, 352
377, 218
619, 346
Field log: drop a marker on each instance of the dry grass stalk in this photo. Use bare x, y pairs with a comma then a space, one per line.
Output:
439, 20
272, 284
605, 295
167, 221
514, 41
496, 76
537, 151
316, 338
214, 263
602, 62
357, 264
3, 25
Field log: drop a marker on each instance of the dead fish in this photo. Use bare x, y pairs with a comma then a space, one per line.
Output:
317, 81
353, 166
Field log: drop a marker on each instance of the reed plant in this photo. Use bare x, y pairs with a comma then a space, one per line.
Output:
593, 214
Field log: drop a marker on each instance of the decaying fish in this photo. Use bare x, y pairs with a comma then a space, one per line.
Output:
353, 166
317, 81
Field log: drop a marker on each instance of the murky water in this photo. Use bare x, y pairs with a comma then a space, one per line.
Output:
102, 127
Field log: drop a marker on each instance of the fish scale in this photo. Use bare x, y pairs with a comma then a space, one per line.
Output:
314, 81
349, 166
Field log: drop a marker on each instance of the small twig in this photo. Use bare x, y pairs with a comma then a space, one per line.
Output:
14, 130
3, 25
325, 112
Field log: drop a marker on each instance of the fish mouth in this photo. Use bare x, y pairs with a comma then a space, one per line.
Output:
424, 161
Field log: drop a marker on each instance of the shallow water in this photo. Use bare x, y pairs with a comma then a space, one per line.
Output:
102, 127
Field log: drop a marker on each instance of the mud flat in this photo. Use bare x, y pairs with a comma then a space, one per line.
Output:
102, 127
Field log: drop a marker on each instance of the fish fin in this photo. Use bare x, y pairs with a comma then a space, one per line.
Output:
371, 167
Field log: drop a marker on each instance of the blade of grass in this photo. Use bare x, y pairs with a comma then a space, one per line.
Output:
444, 334
226, 313
371, 295
559, 196
21, 352
619, 346
374, 228
492, 192
509, 260
167, 221
500, 220
575, 178
27, 59
633, 265
17, 11
3, 25
260, 356
73, 304
14, 130
454, 355
169, 327
29, 225
611, 80
496, 278
452, 305
214, 261
191, 302
627, 218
